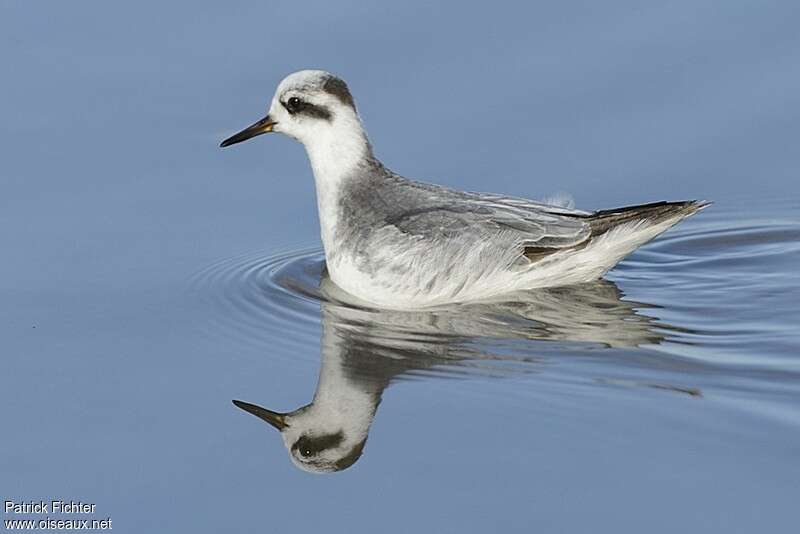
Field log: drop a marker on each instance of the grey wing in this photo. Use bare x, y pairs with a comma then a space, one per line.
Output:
533, 228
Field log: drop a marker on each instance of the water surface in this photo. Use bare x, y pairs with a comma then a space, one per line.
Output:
148, 278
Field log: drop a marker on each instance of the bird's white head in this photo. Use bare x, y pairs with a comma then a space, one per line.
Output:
316, 108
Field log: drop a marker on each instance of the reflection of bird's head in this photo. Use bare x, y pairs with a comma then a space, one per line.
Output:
318, 440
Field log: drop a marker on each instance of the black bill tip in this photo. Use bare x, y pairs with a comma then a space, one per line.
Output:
261, 127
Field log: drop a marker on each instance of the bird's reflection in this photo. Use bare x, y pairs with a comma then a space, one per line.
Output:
364, 349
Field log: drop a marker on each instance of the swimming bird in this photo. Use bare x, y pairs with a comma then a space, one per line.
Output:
399, 243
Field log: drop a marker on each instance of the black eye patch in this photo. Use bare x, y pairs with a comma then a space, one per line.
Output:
297, 106
309, 446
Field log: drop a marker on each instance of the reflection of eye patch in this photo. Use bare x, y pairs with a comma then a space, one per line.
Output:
309, 446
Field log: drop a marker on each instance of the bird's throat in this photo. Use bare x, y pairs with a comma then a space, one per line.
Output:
335, 156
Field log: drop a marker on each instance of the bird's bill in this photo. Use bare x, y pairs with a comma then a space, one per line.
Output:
261, 127
278, 420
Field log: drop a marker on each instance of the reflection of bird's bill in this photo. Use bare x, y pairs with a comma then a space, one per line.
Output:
276, 419
589, 313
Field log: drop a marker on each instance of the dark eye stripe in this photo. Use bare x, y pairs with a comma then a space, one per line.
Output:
317, 112
297, 106
309, 446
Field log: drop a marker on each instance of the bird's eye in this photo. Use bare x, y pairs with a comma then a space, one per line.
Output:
305, 452
293, 104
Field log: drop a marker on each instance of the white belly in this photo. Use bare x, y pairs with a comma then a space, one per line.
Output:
416, 274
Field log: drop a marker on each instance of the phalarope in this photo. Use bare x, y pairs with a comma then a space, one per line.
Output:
399, 243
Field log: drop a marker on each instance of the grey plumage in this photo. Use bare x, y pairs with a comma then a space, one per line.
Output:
374, 197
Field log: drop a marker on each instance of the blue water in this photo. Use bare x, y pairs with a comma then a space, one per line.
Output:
148, 278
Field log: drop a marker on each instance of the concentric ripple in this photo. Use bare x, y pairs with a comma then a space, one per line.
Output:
739, 248
266, 298
689, 280
269, 300
735, 284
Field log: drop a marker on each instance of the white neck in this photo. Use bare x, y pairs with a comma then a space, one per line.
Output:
340, 400
335, 151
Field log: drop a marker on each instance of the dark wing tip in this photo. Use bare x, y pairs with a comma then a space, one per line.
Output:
604, 220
